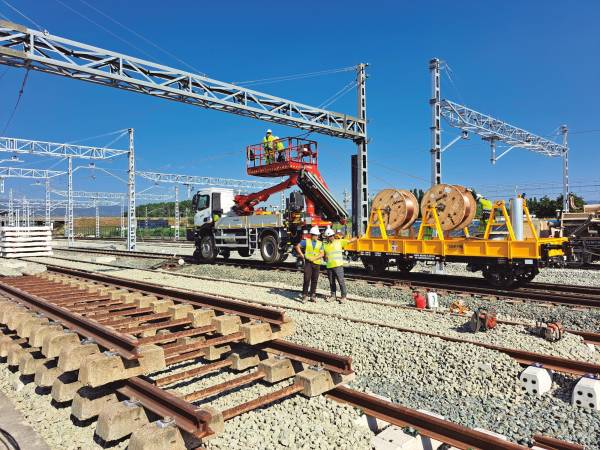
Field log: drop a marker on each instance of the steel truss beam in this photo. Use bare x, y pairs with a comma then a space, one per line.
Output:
41, 203
206, 181
41, 148
492, 129
113, 195
36, 50
19, 172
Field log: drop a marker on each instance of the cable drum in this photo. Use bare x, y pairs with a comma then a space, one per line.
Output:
399, 208
455, 206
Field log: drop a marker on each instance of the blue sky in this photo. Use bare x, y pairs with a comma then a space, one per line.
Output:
533, 64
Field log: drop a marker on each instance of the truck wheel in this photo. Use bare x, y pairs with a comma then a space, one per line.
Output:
269, 249
207, 250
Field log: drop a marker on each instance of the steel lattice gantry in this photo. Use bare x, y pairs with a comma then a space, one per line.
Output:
20, 172
203, 181
70, 151
35, 50
489, 129
112, 195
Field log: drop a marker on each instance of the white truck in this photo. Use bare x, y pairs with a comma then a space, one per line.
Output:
218, 230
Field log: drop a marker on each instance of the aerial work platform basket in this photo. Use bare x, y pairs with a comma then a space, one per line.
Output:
281, 157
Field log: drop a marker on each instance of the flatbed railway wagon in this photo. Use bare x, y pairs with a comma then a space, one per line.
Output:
504, 262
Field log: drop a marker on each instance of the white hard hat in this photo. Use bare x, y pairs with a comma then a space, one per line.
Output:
269, 131
315, 231
329, 232
479, 195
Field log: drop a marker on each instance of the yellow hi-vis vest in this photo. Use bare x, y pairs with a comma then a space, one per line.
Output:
268, 142
334, 252
312, 251
486, 204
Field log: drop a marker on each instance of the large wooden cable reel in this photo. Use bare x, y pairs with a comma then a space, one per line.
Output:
455, 206
399, 208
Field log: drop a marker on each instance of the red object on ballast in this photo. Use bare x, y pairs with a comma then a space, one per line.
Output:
420, 301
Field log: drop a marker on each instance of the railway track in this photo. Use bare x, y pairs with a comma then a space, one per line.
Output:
45, 317
573, 295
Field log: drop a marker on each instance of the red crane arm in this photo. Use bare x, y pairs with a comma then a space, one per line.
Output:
244, 204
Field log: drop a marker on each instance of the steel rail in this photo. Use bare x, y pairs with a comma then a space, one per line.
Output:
271, 315
110, 339
551, 443
428, 425
187, 416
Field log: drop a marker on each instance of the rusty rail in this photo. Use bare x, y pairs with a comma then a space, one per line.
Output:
271, 315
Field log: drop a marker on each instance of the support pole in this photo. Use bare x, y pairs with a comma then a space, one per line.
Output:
493, 150
436, 133
97, 208
11, 209
131, 222
1, 185
70, 224
565, 160
47, 204
176, 212
122, 218
360, 215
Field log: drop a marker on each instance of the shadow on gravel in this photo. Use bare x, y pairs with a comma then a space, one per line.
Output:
286, 293
103, 444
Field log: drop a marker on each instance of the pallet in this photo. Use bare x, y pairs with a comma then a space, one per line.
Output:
16, 242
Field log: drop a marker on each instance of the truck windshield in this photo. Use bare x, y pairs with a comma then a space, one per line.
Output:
203, 202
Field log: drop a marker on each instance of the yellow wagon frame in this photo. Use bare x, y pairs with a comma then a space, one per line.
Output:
443, 246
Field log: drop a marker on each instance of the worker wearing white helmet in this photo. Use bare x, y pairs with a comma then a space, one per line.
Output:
311, 250
334, 257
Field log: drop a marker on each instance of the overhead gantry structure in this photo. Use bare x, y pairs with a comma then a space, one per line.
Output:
70, 151
489, 129
21, 172
35, 50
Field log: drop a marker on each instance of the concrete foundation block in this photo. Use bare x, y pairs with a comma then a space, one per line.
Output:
25, 327
70, 358
227, 324
284, 330
129, 297
535, 380
152, 358
28, 365
89, 403
45, 377
65, 392
216, 422
99, 369
17, 317
201, 317
256, 332
373, 423
38, 334
8, 311
213, 353
394, 438
161, 306
120, 420
158, 435
7, 344
144, 301
586, 394
54, 343
315, 382
180, 311
276, 369
117, 293
16, 352
242, 362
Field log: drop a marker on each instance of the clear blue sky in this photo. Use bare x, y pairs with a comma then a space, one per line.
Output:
534, 64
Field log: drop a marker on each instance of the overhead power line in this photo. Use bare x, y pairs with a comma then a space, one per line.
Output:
23, 15
295, 76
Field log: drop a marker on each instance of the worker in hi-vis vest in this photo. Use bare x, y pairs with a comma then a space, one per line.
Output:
334, 260
486, 209
271, 143
311, 250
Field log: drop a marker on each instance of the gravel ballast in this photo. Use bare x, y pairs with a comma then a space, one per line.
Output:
465, 383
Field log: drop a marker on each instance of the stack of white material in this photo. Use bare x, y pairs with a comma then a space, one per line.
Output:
16, 242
